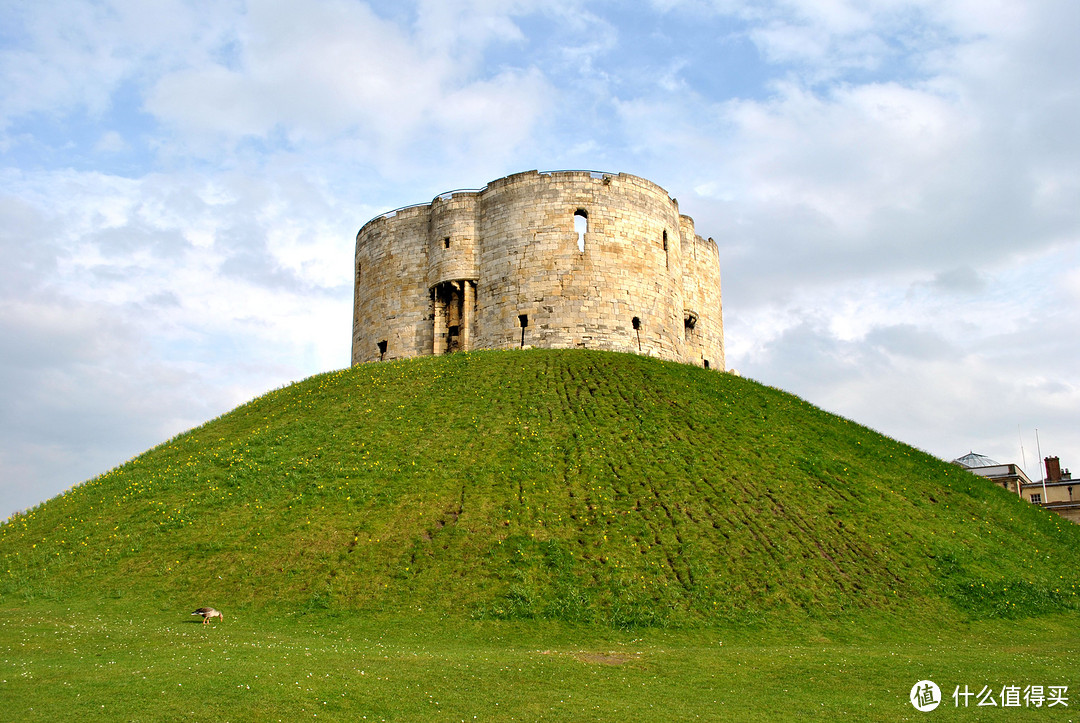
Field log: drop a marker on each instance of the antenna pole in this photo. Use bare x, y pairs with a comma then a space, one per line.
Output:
1023, 456
1042, 468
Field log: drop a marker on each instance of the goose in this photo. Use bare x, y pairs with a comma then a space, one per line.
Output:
208, 613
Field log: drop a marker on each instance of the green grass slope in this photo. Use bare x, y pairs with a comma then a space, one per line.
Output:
571, 485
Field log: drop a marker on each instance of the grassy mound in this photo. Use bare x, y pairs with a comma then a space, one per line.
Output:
571, 485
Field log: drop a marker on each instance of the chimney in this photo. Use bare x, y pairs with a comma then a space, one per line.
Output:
1053, 469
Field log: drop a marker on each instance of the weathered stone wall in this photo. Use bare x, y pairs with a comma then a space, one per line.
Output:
503, 267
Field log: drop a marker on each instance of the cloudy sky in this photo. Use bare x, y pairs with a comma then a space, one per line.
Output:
894, 187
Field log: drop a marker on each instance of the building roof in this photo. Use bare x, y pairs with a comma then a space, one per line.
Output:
972, 460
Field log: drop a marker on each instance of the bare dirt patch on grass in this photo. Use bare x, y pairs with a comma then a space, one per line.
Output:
597, 658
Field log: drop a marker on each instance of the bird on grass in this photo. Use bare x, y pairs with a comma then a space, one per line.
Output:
208, 613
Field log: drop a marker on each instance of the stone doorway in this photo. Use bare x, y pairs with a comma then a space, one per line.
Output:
452, 316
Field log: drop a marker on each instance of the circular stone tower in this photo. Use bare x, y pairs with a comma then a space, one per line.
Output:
566, 259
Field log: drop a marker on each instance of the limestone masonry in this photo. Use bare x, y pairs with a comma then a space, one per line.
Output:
567, 259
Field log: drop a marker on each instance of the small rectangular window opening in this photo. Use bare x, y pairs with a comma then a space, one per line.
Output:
637, 331
523, 320
446, 242
382, 349
706, 363
665, 239
581, 227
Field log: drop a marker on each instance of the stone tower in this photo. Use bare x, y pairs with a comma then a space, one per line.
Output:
567, 259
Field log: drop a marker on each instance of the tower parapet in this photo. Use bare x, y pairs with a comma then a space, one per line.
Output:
565, 259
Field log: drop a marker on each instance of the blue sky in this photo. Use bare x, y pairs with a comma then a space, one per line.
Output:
894, 188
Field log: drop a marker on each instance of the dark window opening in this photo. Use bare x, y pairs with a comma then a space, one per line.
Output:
523, 320
382, 349
706, 363
665, 239
581, 227
454, 330
637, 323
691, 336
637, 331
446, 242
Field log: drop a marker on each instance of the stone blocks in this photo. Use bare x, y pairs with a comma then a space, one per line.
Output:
504, 267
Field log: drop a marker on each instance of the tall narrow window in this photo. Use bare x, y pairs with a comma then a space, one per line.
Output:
523, 320
665, 239
382, 349
637, 331
581, 227
446, 242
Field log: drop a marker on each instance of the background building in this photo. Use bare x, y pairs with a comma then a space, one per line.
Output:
1055, 491
1009, 476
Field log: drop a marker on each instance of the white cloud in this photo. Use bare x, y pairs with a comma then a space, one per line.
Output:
111, 142
64, 57
464, 28
119, 317
946, 370
824, 182
333, 70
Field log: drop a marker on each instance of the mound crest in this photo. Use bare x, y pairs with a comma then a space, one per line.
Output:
575, 485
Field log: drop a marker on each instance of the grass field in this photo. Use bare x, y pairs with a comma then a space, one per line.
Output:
123, 661
573, 486
535, 535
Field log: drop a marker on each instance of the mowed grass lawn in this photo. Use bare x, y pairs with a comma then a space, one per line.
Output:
122, 661
543, 535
